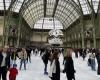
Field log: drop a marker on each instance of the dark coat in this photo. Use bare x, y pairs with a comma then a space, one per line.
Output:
69, 68
28, 50
7, 60
56, 76
45, 57
98, 71
98, 61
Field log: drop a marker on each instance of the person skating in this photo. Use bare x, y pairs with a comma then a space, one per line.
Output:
14, 56
69, 66
4, 63
23, 57
45, 59
93, 64
55, 66
28, 50
13, 72
98, 61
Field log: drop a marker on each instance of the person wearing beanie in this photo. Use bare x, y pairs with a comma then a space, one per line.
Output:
13, 72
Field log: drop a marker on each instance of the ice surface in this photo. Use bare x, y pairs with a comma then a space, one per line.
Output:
35, 70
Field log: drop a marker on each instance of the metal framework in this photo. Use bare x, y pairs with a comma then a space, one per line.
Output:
66, 11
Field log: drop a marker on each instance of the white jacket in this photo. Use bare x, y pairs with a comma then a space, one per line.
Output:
52, 68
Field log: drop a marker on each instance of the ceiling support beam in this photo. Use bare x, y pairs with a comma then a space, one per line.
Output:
3, 40
11, 5
91, 5
55, 7
45, 6
22, 6
98, 7
82, 25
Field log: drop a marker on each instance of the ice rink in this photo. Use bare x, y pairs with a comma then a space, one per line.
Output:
35, 70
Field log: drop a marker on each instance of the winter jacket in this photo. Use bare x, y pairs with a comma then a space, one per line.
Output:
69, 67
55, 70
22, 55
13, 73
7, 61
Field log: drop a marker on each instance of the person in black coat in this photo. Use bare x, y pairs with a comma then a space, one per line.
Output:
69, 67
45, 59
55, 67
4, 63
28, 50
98, 61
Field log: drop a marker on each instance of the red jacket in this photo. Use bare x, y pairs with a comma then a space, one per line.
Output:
13, 72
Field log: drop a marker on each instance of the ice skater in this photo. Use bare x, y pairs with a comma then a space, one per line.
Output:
13, 72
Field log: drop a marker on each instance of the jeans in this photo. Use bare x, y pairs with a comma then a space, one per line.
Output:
12, 62
93, 64
23, 61
45, 69
29, 59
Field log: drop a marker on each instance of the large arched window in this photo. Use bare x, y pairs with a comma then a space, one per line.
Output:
49, 23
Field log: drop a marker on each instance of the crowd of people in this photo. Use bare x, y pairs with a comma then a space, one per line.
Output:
8, 59
53, 55
93, 57
9, 56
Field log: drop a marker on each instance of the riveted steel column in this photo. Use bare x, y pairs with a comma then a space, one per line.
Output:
19, 30
3, 40
82, 25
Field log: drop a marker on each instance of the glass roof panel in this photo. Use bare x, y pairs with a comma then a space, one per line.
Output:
48, 24
36, 10
85, 6
50, 7
1, 5
7, 3
17, 5
95, 5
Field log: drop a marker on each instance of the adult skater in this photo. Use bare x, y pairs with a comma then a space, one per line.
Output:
98, 61
14, 56
45, 59
69, 66
28, 50
93, 64
23, 57
4, 63
55, 66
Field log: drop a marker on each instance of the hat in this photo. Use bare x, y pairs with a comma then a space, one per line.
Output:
14, 65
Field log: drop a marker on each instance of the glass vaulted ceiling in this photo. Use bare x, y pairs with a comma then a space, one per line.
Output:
16, 6
49, 23
66, 11
7, 2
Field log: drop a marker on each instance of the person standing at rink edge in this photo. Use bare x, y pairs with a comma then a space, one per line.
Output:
69, 66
